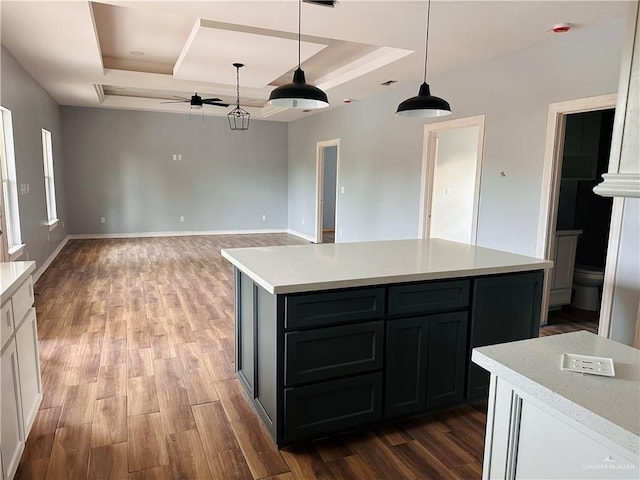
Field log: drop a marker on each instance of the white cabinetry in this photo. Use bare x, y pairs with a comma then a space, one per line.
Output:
563, 265
548, 423
21, 382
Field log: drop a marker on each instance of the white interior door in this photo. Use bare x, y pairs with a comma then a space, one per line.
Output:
327, 168
451, 180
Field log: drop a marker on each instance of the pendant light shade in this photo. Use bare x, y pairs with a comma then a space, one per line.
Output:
298, 94
424, 104
238, 117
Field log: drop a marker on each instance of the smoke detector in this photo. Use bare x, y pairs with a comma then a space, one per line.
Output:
561, 28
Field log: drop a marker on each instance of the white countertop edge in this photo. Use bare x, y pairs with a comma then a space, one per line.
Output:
13, 282
380, 280
607, 429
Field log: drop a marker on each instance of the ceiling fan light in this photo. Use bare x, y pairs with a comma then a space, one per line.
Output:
424, 105
298, 94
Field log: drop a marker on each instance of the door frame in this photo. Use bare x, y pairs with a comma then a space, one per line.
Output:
429, 156
550, 194
320, 146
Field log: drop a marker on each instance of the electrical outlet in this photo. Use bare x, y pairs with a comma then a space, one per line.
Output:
303, 221
103, 220
264, 217
179, 157
342, 189
340, 232
182, 218
175, 157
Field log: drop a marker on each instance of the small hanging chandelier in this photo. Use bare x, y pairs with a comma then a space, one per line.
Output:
424, 104
238, 117
298, 94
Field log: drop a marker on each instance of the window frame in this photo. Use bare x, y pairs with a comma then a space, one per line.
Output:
49, 179
10, 185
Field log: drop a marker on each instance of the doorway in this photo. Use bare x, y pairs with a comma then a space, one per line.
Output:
451, 171
573, 172
327, 163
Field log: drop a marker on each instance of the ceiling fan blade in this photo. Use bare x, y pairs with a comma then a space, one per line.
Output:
177, 101
210, 101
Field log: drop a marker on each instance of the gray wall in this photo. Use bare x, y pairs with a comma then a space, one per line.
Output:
381, 154
121, 167
32, 109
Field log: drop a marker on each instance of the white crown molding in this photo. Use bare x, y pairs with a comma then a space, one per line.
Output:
619, 185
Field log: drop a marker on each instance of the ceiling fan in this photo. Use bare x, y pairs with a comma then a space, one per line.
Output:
196, 101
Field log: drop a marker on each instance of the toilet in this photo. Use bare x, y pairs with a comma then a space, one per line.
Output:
587, 286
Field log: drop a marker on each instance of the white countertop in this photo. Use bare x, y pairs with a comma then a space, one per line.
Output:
305, 268
12, 274
609, 406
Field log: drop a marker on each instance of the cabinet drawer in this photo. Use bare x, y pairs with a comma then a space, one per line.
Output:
330, 407
333, 352
330, 308
428, 297
6, 323
22, 300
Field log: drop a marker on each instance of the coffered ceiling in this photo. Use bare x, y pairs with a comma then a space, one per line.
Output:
139, 54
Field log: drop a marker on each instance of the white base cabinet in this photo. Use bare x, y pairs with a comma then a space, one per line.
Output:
21, 382
544, 422
12, 436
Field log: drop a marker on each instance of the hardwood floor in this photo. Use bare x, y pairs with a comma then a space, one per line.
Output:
137, 352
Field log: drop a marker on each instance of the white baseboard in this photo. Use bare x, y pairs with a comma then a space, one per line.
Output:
38, 273
304, 236
174, 234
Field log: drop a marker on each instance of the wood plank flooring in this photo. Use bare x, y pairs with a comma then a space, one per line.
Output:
137, 352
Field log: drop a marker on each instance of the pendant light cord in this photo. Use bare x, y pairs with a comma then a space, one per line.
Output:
238, 87
426, 43
299, 22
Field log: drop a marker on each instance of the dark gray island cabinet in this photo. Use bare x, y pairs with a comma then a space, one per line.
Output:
334, 337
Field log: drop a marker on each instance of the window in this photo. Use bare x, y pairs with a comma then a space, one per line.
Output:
49, 182
10, 185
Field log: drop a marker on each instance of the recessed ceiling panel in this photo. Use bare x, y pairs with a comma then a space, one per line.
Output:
139, 39
211, 51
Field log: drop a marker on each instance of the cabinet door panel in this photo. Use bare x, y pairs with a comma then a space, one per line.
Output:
325, 353
446, 358
12, 436
245, 331
505, 308
330, 407
29, 363
406, 366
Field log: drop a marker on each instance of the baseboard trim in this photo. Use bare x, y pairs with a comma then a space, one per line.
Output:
85, 236
304, 236
38, 273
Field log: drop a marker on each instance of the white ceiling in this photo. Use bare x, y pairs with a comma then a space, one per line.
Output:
88, 53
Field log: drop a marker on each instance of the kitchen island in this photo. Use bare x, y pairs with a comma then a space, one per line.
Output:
333, 337
545, 422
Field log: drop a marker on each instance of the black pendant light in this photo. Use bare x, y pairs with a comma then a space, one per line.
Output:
425, 104
298, 94
238, 117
